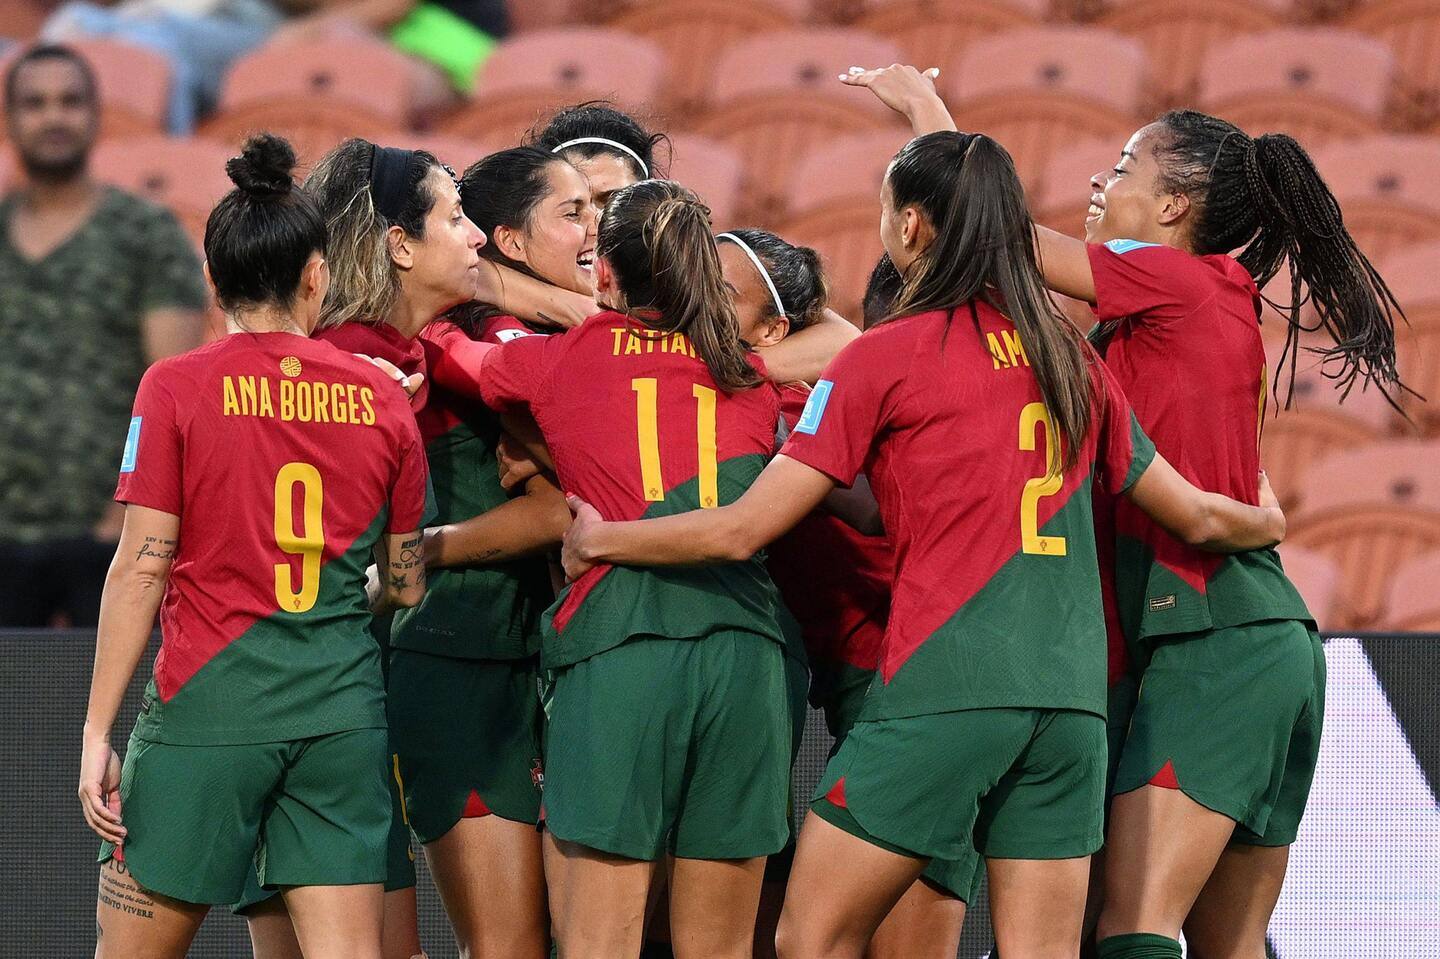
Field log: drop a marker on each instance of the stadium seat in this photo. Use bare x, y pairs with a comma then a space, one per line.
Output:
776, 94
21, 19
527, 15
835, 194
712, 169
1317, 84
531, 75
1412, 604
134, 86
1370, 510
1386, 186
932, 32
675, 25
1316, 577
316, 93
1061, 198
1035, 91
455, 152
187, 175
1413, 275
1411, 29
1177, 33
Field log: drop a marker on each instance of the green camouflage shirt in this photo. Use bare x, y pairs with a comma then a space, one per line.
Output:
71, 357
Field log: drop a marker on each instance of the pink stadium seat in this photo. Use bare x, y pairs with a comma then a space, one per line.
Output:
527, 15
932, 32
1062, 197
186, 175
776, 94
712, 169
316, 93
1034, 91
21, 19
1413, 275
134, 86
1177, 33
1317, 84
1316, 577
675, 25
1411, 29
835, 194
1413, 602
532, 74
1370, 510
455, 152
1386, 186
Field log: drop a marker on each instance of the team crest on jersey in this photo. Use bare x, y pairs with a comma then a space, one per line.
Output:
290, 365
132, 446
814, 408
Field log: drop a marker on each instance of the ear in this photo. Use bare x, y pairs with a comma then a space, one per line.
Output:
210, 282
770, 332
915, 231
402, 247
315, 278
1176, 206
509, 242
607, 286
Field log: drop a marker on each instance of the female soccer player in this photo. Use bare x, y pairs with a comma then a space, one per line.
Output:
987, 719
259, 472
402, 253
1214, 775
667, 723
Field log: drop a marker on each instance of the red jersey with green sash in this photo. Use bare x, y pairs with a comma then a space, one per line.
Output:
835, 581
639, 428
469, 612
285, 459
1182, 336
996, 601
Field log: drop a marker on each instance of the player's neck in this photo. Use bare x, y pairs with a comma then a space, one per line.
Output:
263, 320
410, 317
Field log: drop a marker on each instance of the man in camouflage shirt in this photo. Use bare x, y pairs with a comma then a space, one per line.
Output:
95, 284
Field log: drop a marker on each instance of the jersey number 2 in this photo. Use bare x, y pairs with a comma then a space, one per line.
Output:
1031, 417
647, 426
308, 545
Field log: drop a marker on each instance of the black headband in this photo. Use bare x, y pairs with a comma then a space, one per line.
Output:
390, 170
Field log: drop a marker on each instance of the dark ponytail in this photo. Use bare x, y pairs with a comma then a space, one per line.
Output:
796, 273
1264, 194
656, 237
984, 248
262, 233
881, 291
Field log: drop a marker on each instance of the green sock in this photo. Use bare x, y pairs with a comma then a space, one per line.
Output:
1139, 945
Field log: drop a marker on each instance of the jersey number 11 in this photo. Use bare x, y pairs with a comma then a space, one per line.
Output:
647, 426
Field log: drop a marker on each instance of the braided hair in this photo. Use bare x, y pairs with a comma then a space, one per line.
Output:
1265, 195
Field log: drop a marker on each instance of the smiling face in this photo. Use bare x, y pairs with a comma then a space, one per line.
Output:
759, 326
1127, 203
557, 241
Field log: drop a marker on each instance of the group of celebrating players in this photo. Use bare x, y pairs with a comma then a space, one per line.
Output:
979, 548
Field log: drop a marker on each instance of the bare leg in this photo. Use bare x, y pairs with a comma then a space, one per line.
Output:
131, 923
401, 936
1162, 848
1038, 905
772, 900
602, 912
337, 922
925, 924
1229, 919
845, 887
713, 904
1094, 901
272, 936
491, 879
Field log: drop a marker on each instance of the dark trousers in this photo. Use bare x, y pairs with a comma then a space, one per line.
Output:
48, 581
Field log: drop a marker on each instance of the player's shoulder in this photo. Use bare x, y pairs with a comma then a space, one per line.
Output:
502, 328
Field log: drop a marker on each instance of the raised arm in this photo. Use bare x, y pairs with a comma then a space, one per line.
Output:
134, 587
779, 498
801, 357
1204, 520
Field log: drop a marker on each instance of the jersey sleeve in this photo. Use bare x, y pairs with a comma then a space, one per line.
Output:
514, 373
1123, 450
502, 328
844, 413
409, 493
1147, 281
150, 467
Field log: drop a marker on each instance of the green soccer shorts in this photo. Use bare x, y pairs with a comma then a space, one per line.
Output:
1232, 718
1004, 783
307, 812
468, 733
678, 743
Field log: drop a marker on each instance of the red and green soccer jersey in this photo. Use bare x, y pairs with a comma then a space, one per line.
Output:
996, 599
469, 612
638, 428
1185, 346
285, 459
835, 581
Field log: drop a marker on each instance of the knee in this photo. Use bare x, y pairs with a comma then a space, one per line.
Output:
793, 940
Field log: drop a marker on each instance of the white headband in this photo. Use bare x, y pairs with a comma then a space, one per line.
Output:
764, 273
645, 170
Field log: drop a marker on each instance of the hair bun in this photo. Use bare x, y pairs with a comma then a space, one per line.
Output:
265, 167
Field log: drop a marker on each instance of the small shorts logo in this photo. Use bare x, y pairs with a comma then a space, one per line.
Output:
1159, 603
290, 365
537, 775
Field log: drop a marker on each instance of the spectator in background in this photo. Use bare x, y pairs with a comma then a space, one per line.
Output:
95, 284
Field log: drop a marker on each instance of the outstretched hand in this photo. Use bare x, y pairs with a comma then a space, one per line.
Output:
906, 90
579, 537
410, 384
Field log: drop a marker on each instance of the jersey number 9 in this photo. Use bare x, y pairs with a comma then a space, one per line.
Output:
309, 545
647, 424
1032, 417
